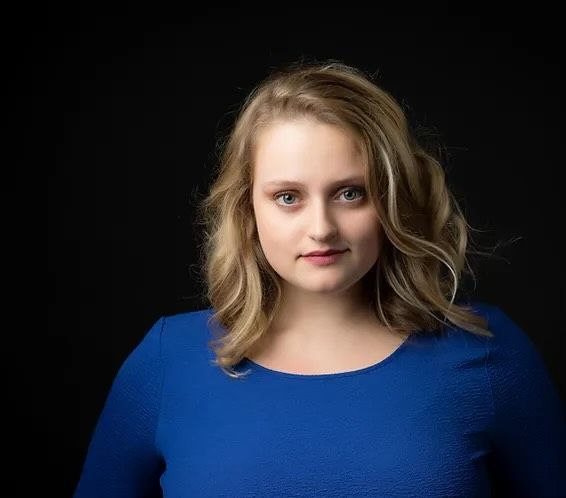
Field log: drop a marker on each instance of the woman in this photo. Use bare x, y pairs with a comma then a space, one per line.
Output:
354, 372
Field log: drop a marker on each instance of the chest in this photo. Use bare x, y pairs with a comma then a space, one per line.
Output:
388, 436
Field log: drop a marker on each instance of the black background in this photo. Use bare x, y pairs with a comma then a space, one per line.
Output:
127, 109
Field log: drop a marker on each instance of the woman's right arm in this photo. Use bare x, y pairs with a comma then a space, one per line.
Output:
122, 459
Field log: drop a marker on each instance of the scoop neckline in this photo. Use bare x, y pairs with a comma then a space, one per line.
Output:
370, 368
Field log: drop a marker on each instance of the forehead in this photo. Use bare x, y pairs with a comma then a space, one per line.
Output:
301, 149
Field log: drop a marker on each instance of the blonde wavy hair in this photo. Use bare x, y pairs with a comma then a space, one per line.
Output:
414, 283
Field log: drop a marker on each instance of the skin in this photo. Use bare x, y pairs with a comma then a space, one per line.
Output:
324, 322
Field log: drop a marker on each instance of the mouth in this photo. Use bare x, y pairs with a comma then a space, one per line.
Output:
324, 260
324, 253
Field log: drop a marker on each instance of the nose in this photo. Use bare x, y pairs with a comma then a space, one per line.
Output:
322, 225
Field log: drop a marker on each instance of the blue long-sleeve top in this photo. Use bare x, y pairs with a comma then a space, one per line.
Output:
441, 416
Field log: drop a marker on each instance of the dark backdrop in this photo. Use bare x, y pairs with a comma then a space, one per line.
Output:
129, 107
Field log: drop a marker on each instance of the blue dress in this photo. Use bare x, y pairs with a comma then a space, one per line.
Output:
442, 416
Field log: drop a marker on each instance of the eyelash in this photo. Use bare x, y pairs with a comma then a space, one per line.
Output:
361, 190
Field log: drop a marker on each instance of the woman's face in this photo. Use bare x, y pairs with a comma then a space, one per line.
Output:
326, 208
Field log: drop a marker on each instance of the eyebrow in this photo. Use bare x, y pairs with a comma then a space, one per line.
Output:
291, 183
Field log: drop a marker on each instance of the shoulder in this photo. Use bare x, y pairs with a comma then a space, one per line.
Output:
506, 335
186, 321
505, 329
188, 326
514, 360
492, 312
188, 329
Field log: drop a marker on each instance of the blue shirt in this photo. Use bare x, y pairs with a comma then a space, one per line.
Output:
440, 417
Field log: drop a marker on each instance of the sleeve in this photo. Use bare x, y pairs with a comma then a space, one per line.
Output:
528, 430
122, 459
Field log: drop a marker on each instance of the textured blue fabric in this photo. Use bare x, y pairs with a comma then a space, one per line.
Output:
440, 417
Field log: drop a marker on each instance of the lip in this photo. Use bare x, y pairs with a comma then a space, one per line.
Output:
327, 252
326, 260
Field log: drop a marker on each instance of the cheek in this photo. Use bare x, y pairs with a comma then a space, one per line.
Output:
366, 229
369, 242
273, 233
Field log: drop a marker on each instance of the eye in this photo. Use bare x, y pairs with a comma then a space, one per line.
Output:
359, 190
355, 189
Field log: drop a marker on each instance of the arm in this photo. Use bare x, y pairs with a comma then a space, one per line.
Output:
122, 460
528, 429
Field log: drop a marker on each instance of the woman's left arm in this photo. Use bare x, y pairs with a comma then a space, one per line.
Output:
528, 430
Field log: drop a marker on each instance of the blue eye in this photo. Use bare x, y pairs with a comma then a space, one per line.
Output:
360, 190
283, 194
